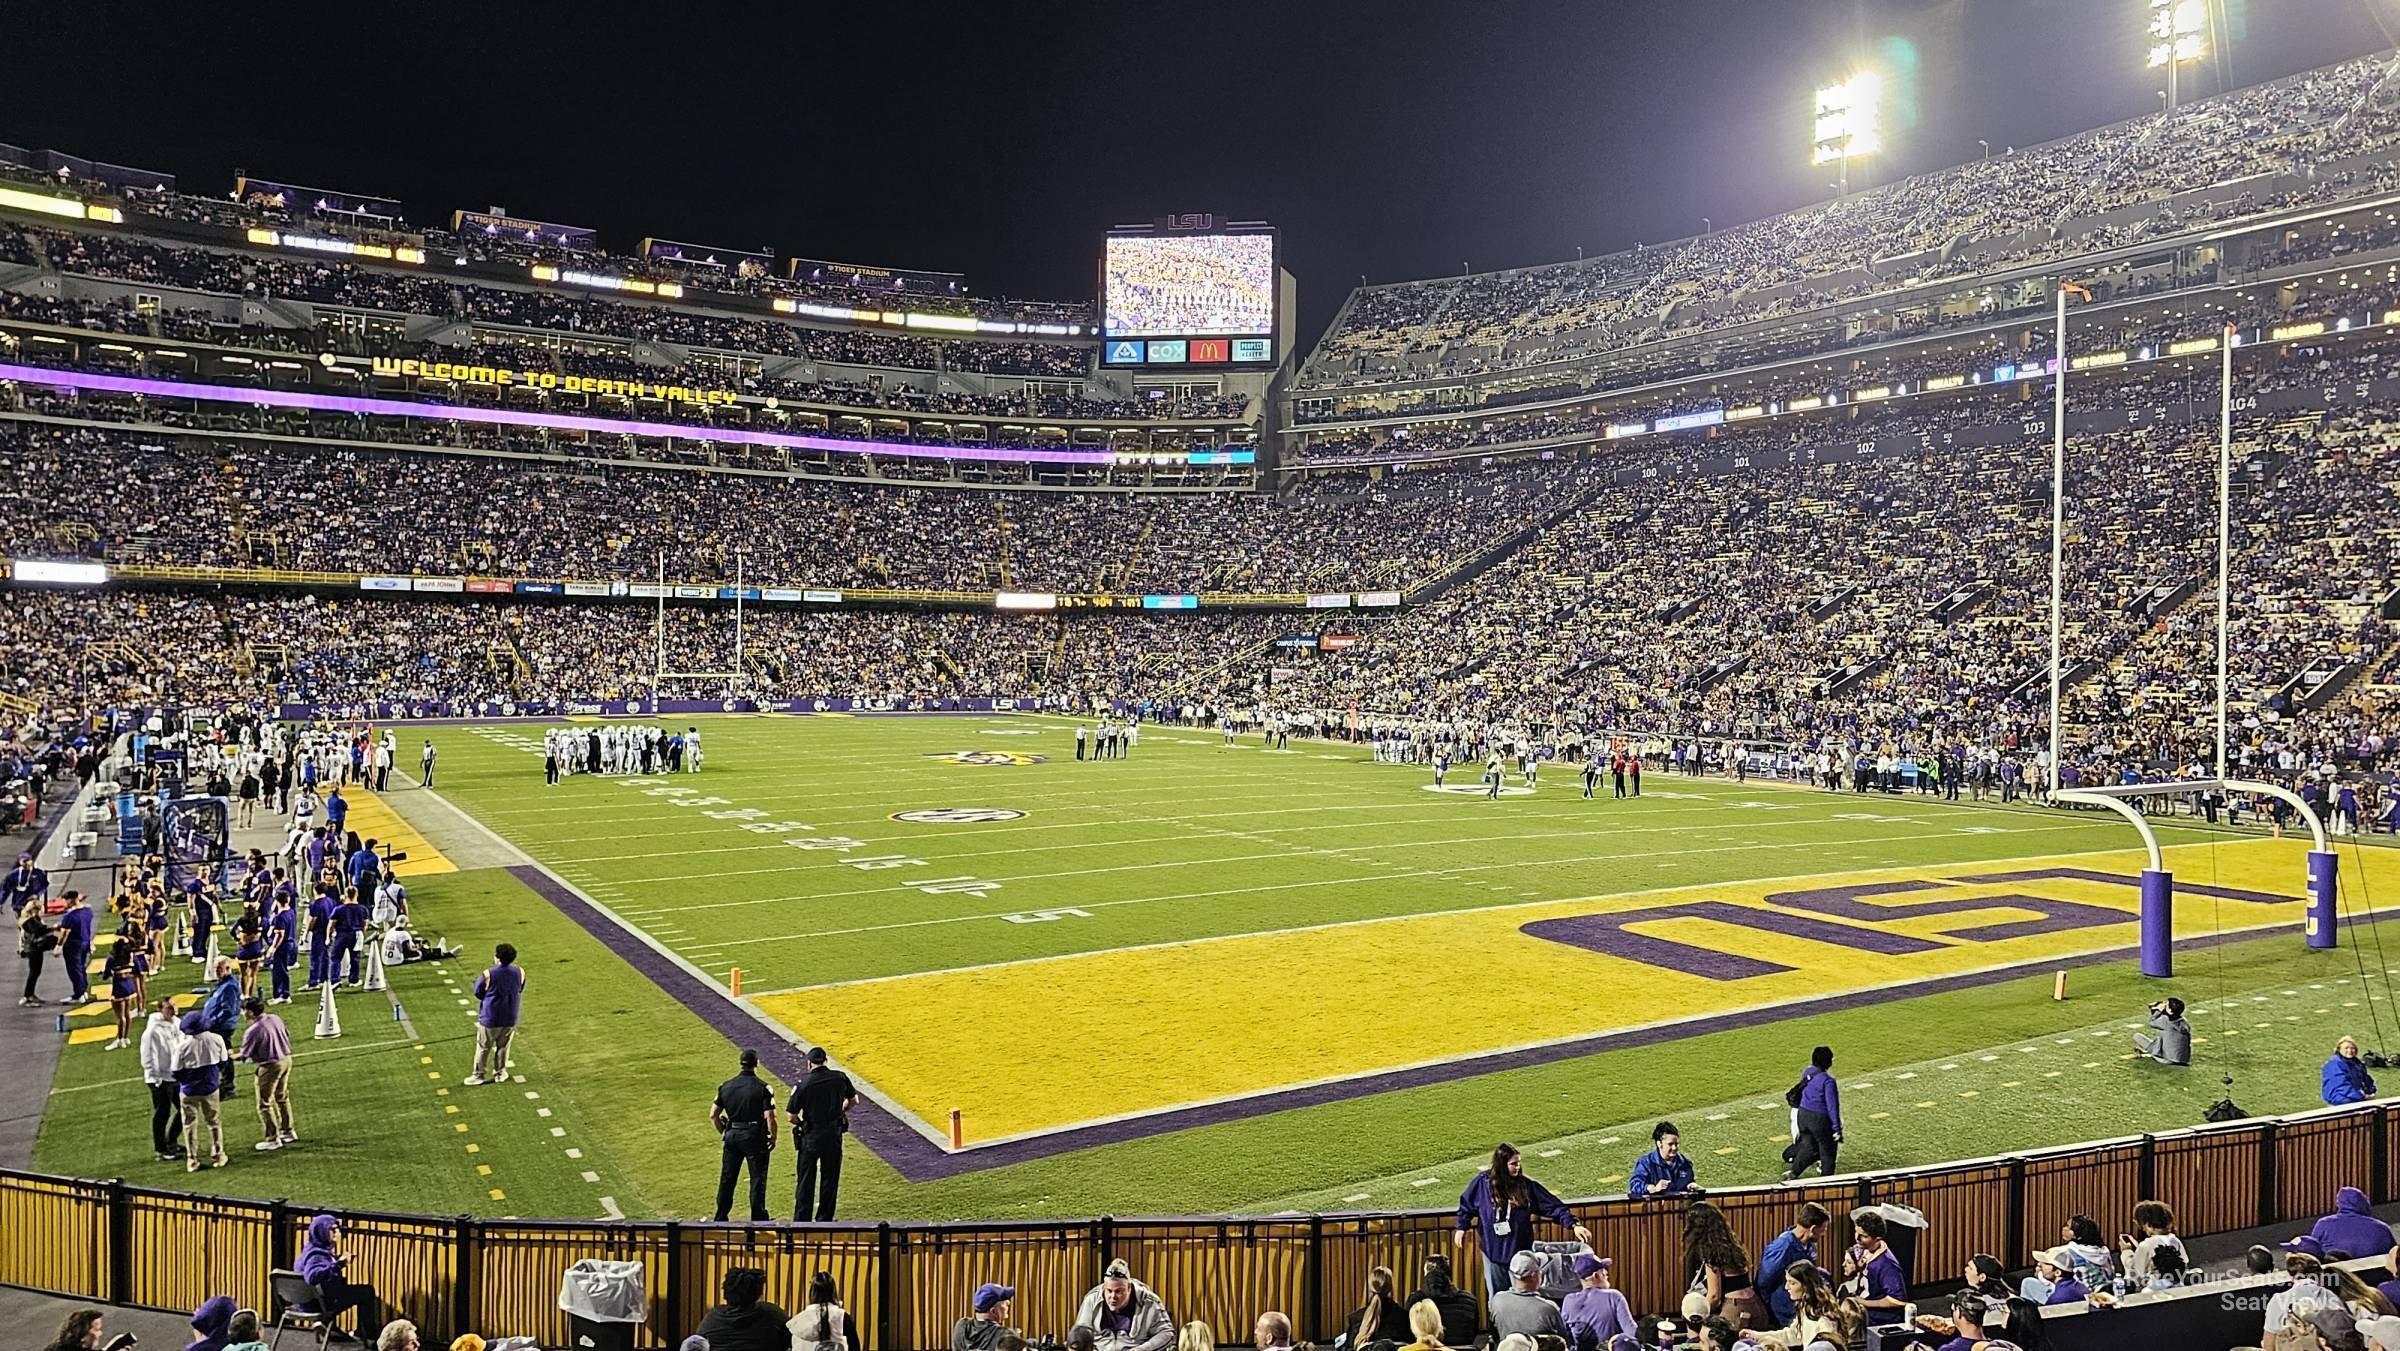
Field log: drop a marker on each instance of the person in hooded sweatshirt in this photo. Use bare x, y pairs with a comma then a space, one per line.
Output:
2352, 1227
2346, 1079
324, 1265
211, 1323
1124, 1314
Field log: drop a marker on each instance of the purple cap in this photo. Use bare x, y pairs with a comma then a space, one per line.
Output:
1586, 1264
989, 1296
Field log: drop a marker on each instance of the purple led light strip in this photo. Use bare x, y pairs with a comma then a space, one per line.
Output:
336, 403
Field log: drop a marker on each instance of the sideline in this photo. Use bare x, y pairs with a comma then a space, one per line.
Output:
32, 1043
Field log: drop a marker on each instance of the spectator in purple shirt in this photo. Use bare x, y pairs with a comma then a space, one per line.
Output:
1870, 1260
1820, 1117
500, 989
1596, 1313
323, 1264
2057, 1266
1501, 1204
2353, 1228
267, 1045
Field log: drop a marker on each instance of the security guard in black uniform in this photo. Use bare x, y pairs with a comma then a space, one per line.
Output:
744, 1115
820, 1109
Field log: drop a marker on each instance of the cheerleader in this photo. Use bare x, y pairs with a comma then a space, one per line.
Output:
156, 921
127, 970
250, 945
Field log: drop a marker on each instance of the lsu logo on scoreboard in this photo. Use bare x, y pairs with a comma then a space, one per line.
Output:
988, 757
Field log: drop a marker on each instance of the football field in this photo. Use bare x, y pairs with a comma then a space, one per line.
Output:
1075, 955
1213, 979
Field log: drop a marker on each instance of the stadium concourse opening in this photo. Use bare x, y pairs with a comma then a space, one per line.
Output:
506, 718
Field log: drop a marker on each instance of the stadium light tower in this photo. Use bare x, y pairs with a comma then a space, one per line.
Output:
1849, 123
2178, 37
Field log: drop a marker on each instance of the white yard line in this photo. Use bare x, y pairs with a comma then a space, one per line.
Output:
1747, 832
1307, 928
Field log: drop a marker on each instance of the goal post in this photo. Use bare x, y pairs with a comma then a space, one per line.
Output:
661, 673
2157, 885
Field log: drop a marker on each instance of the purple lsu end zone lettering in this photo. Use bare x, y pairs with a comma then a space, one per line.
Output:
1612, 935
443, 412
917, 1157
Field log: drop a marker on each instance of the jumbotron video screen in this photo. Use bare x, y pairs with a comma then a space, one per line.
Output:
1198, 299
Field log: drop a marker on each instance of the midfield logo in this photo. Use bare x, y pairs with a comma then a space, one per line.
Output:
988, 757
959, 816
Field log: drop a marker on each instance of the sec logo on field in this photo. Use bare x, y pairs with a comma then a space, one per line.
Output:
959, 816
988, 757
1475, 789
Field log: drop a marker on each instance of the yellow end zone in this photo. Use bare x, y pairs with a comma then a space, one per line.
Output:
375, 821
1041, 1045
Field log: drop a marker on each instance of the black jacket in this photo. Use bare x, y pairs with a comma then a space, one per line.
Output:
1460, 1317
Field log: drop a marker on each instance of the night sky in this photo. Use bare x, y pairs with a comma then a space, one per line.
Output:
1389, 140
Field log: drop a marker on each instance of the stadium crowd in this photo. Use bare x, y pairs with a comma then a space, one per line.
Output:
2015, 207
194, 501
1819, 1284
467, 241
226, 272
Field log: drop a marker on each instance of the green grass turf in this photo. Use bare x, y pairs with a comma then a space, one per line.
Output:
1185, 829
368, 1099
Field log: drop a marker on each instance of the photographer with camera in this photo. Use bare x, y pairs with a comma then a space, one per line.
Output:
2173, 1044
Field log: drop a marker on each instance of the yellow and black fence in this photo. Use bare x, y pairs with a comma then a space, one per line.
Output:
905, 1284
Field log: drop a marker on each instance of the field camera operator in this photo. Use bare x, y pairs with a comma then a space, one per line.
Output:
2173, 1044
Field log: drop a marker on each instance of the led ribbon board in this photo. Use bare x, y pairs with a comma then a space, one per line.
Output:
505, 417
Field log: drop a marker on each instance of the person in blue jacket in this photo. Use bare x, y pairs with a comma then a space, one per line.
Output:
1664, 1171
283, 943
320, 934
2346, 1077
363, 868
204, 918
1502, 1204
349, 921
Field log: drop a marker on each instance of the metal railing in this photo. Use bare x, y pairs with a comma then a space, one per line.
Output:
906, 1283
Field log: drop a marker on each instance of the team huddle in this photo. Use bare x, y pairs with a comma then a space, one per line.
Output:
619, 750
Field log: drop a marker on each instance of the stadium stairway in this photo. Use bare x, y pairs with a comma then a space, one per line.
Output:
1852, 674
292, 313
